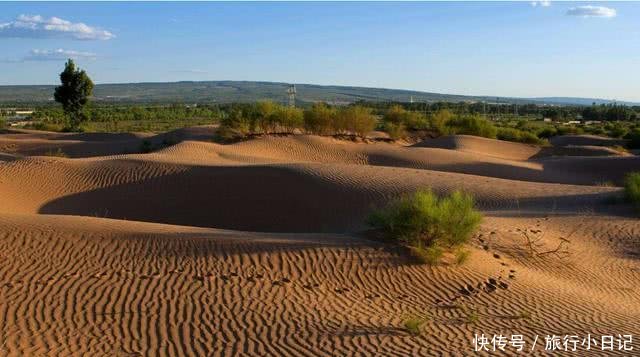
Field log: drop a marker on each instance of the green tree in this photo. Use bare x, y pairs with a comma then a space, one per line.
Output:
73, 94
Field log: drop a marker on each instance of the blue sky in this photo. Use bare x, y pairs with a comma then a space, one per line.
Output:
496, 48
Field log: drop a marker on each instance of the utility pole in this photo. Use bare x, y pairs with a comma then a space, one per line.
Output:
291, 92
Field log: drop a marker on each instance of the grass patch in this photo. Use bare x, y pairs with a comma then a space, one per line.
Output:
55, 153
428, 224
461, 255
472, 317
428, 255
413, 323
632, 189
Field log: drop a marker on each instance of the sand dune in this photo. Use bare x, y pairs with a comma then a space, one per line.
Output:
585, 140
127, 254
108, 287
491, 147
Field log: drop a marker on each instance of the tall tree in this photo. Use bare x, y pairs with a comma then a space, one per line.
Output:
73, 93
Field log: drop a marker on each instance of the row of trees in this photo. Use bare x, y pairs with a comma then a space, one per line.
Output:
266, 117
131, 113
602, 112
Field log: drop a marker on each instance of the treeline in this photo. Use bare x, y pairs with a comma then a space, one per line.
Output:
602, 112
266, 117
133, 113
270, 118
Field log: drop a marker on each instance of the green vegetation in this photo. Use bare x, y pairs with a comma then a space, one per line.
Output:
462, 255
472, 317
632, 189
523, 315
73, 93
266, 117
470, 125
413, 323
509, 134
55, 153
428, 224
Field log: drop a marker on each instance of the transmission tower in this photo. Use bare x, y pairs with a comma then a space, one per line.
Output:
291, 91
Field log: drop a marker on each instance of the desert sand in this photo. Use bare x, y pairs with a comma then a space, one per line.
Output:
260, 247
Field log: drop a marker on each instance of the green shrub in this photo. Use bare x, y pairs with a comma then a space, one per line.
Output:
55, 153
320, 119
634, 139
356, 120
632, 188
397, 116
510, 134
3, 123
146, 147
618, 131
462, 255
413, 323
235, 125
438, 120
395, 131
569, 129
471, 125
427, 223
288, 118
547, 132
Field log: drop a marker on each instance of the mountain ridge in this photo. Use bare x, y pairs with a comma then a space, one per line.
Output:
225, 91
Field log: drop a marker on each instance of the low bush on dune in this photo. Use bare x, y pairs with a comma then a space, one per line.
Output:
395, 131
471, 125
55, 153
428, 224
632, 189
634, 139
357, 120
266, 117
510, 134
320, 119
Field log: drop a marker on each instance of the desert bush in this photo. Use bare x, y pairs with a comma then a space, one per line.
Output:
413, 323
3, 123
395, 131
471, 125
569, 129
547, 132
400, 117
264, 116
357, 120
617, 131
510, 134
438, 120
428, 223
234, 125
634, 139
288, 118
462, 255
55, 153
632, 188
394, 115
319, 119
146, 147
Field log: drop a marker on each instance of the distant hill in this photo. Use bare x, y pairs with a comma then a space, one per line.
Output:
581, 101
245, 91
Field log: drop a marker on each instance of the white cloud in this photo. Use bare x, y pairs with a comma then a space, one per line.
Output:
36, 26
591, 11
58, 55
543, 3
